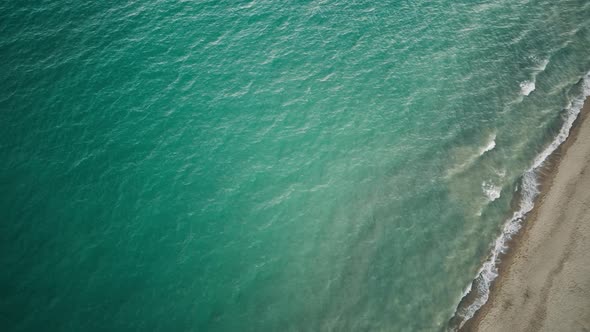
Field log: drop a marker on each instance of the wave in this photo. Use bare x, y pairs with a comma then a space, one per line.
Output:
469, 161
479, 289
526, 87
491, 191
490, 145
542, 65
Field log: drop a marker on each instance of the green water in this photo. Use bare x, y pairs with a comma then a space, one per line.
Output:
269, 165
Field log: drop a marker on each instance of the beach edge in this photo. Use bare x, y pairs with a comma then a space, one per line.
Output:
514, 256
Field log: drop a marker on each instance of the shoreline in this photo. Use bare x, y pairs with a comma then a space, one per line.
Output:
506, 289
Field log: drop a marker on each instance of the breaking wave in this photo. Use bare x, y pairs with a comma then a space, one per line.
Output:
491, 191
527, 87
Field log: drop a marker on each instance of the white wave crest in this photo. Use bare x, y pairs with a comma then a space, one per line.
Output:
526, 87
490, 145
491, 191
474, 155
529, 191
542, 65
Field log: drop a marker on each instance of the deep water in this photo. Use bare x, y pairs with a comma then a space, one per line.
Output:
268, 165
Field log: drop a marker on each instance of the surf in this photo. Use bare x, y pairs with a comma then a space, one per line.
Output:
529, 190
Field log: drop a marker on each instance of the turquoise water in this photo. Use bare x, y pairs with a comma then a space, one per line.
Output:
271, 165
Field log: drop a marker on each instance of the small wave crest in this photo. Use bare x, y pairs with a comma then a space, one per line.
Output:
490, 145
491, 191
542, 65
473, 156
479, 289
526, 87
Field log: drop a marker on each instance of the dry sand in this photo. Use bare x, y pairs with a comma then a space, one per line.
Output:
544, 284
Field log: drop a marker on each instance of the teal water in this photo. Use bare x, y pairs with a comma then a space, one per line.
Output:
272, 165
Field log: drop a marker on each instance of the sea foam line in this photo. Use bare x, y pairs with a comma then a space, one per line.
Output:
529, 187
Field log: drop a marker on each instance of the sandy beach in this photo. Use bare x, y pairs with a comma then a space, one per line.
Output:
544, 282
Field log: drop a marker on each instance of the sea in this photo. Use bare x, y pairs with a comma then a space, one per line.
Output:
265, 165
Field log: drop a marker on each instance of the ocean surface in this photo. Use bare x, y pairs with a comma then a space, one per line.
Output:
273, 165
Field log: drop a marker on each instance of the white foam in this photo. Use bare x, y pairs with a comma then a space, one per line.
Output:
543, 65
526, 87
501, 173
491, 191
490, 145
529, 190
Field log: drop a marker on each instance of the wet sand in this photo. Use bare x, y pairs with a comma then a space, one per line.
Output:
544, 282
